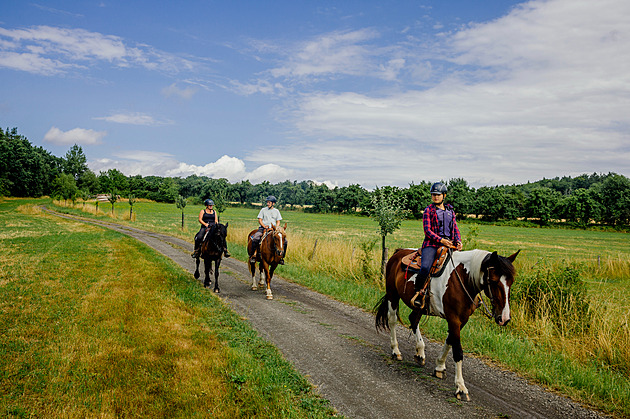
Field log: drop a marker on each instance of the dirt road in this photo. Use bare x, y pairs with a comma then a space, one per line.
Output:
337, 347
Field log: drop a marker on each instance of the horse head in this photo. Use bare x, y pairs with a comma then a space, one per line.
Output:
498, 276
280, 240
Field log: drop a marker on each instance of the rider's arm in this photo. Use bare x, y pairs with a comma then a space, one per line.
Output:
201, 218
428, 227
261, 223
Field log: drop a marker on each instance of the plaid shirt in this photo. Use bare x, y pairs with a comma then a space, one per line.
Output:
431, 227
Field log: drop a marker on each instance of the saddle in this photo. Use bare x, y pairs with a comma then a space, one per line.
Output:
411, 262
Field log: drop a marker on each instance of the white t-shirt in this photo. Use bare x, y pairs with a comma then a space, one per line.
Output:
269, 216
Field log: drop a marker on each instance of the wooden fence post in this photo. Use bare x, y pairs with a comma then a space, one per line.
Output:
313, 253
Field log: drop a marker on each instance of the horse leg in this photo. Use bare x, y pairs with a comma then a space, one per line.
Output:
262, 279
414, 320
196, 275
217, 263
440, 367
207, 265
392, 318
268, 276
453, 339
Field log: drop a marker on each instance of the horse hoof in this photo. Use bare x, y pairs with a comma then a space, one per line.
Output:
216, 291
459, 394
439, 374
196, 275
419, 360
270, 297
397, 357
254, 288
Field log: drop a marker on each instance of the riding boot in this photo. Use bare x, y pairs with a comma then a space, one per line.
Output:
254, 255
197, 250
420, 287
226, 253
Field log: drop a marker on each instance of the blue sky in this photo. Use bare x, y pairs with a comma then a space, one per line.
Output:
342, 92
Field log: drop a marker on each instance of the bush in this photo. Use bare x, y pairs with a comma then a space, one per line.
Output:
559, 295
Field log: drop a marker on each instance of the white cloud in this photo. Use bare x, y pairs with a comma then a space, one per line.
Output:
134, 119
78, 136
51, 50
539, 92
173, 90
146, 163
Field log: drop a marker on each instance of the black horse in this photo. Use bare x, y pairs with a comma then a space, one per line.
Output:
212, 251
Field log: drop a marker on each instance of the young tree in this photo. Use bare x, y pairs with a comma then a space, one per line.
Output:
181, 204
132, 200
388, 211
112, 198
64, 187
75, 162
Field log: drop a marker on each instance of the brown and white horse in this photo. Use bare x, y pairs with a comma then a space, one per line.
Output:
452, 297
273, 247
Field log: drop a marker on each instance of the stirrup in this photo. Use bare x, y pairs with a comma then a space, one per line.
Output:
415, 302
226, 253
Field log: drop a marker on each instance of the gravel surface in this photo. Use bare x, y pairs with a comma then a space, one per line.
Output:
337, 348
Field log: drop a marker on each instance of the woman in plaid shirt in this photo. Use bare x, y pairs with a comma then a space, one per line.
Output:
440, 229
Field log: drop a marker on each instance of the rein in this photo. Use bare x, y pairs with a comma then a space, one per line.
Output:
487, 312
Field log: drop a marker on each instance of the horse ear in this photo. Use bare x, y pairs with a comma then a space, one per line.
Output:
285, 226
512, 257
226, 224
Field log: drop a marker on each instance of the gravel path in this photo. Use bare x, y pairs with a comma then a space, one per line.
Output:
338, 349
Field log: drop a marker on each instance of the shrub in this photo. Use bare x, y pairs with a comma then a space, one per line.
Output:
559, 295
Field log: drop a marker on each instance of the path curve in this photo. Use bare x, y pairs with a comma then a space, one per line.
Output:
338, 349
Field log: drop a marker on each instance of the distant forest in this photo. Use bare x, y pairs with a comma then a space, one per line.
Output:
28, 171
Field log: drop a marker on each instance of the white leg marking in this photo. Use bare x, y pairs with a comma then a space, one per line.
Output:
459, 382
441, 361
393, 320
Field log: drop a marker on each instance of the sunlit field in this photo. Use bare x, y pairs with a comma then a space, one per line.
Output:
95, 324
339, 255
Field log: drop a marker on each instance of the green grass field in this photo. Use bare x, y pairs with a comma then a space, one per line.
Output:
95, 324
592, 366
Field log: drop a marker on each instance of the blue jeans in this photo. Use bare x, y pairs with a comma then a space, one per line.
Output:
428, 257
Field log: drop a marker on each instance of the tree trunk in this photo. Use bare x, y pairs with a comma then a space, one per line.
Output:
383, 258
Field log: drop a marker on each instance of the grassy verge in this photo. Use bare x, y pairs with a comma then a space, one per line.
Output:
333, 255
95, 324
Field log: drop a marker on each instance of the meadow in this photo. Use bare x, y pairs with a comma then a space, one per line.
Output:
95, 324
339, 255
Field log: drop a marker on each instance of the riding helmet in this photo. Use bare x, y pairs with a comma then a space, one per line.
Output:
271, 198
208, 202
438, 188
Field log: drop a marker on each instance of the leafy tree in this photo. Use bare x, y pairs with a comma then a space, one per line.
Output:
460, 195
614, 195
75, 162
181, 204
112, 198
581, 206
132, 200
113, 180
64, 187
540, 203
216, 189
88, 181
417, 198
388, 211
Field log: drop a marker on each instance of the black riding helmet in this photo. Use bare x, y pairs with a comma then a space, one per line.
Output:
271, 198
208, 202
438, 188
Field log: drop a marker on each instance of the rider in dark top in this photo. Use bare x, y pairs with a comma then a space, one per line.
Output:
208, 218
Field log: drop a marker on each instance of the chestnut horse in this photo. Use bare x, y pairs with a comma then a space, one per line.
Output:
212, 251
454, 296
273, 247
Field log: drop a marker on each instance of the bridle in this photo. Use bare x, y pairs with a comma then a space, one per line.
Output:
487, 312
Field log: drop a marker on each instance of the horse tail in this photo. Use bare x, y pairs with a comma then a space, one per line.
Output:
381, 309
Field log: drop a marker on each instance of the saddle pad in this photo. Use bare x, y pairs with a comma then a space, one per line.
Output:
412, 261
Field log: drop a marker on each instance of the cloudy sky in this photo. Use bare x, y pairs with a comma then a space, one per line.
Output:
370, 92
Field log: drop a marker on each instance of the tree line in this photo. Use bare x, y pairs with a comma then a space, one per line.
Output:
29, 171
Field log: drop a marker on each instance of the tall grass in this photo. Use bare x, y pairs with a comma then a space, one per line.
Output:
585, 352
